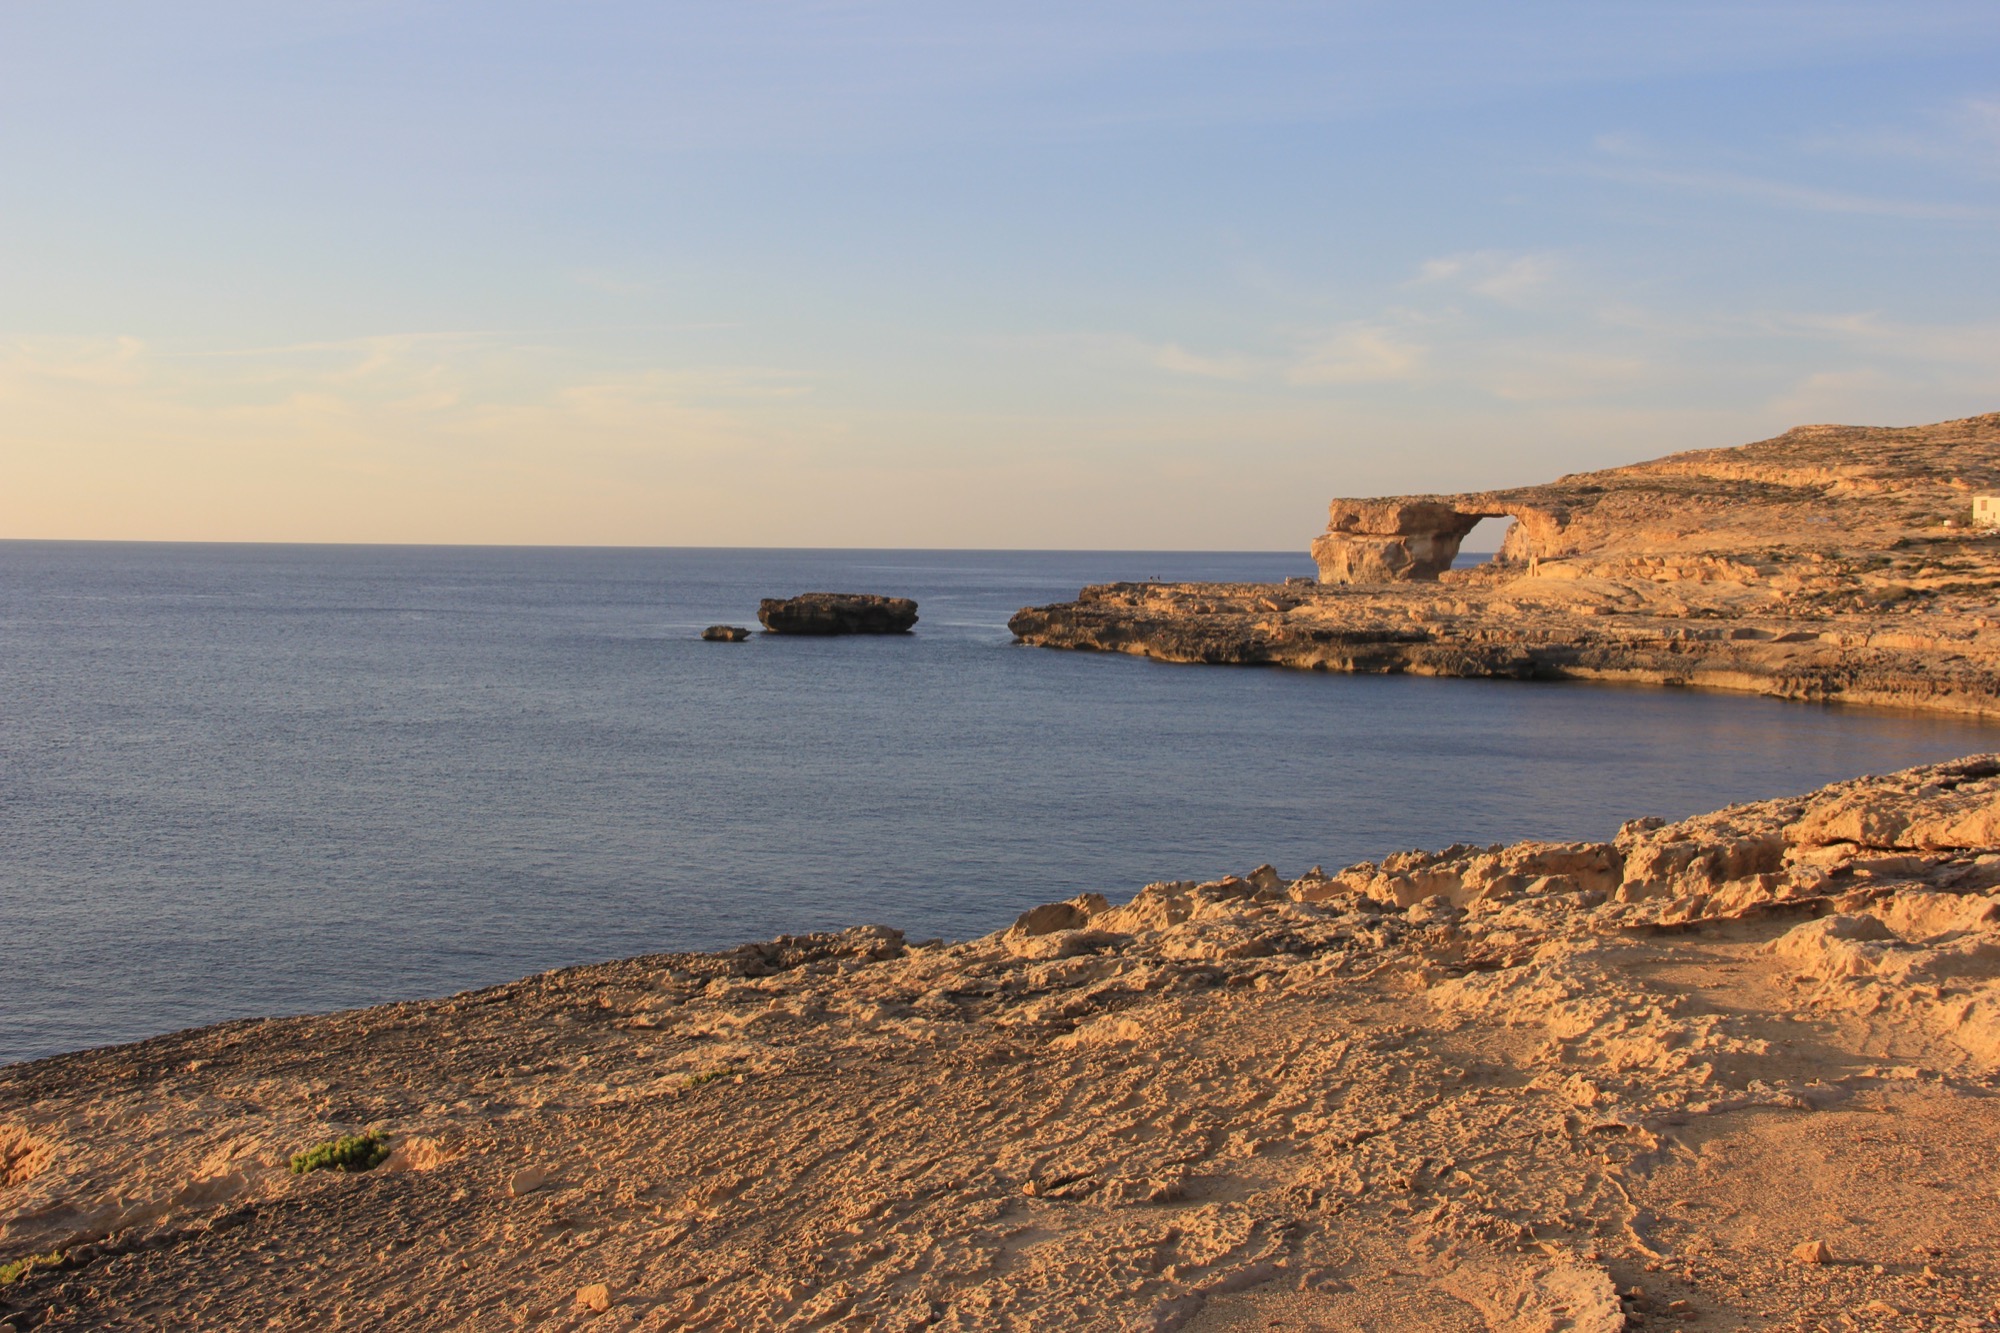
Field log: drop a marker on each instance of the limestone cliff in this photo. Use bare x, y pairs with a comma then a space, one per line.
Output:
1830, 563
1813, 488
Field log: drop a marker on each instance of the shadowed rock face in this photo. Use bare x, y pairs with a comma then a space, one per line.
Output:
837, 613
1413, 538
1387, 540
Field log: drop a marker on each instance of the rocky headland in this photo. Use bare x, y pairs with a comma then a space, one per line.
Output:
1736, 1071
1829, 563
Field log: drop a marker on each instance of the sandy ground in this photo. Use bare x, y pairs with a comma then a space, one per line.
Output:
1540, 1087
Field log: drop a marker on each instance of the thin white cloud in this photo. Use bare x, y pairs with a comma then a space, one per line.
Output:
1558, 374
1963, 138
1517, 278
1358, 354
1787, 194
1498, 275
1872, 335
1181, 361
106, 362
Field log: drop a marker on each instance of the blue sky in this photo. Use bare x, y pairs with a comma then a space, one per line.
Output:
1076, 275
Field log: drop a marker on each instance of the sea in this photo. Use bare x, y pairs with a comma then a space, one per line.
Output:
254, 780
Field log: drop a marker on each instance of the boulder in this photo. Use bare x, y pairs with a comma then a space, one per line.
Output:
837, 613
725, 634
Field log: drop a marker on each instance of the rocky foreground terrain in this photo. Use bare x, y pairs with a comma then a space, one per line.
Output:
1830, 563
1733, 1072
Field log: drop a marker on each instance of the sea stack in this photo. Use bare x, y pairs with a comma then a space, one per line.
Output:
725, 634
837, 613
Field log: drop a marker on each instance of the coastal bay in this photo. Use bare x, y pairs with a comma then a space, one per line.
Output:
1723, 1064
262, 781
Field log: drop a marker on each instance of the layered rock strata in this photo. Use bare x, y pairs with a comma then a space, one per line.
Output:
1815, 489
837, 613
1579, 1086
1833, 563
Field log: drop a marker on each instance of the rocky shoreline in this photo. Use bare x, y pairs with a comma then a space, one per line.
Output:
1938, 662
1735, 1071
1832, 563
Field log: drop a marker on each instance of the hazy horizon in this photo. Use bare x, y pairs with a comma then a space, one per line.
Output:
838, 275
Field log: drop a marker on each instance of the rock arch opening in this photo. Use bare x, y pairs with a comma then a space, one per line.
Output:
1484, 542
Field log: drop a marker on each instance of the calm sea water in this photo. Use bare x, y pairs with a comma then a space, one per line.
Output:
254, 780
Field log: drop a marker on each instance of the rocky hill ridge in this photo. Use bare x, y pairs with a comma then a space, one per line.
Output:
1813, 488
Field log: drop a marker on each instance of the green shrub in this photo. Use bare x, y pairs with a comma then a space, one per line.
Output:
356, 1152
709, 1076
20, 1268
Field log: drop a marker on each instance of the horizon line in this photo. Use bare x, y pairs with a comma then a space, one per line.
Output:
634, 546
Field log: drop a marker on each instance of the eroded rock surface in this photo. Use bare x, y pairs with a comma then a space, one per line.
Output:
1532, 1086
1816, 488
837, 613
1818, 565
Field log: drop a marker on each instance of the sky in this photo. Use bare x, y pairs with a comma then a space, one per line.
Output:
1088, 274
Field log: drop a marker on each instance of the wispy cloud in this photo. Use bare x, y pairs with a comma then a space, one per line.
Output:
104, 362
1181, 361
1962, 138
1965, 344
1496, 274
1788, 194
1554, 373
1358, 354
373, 394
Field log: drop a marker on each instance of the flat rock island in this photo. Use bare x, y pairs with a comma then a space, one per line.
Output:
837, 613
1832, 563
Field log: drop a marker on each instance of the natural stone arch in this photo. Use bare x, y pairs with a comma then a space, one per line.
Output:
1416, 538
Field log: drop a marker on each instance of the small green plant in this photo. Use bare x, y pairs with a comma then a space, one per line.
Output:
11, 1273
355, 1152
709, 1076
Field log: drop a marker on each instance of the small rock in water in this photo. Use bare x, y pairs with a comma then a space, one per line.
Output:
725, 634
837, 613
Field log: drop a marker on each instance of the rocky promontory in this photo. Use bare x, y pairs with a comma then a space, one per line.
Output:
1736, 1071
1829, 563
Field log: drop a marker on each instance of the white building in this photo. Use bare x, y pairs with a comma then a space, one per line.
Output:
1986, 511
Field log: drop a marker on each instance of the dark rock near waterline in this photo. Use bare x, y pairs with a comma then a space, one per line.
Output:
837, 613
725, 634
